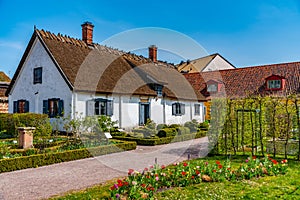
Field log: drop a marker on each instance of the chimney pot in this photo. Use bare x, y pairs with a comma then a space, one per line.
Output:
87, 32
153, 53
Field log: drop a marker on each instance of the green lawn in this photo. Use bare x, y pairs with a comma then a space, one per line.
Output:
269, 187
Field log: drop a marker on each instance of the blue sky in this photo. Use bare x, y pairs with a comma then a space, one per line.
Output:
245, 32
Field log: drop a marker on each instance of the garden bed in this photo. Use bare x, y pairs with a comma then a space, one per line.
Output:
23, 162
164, 140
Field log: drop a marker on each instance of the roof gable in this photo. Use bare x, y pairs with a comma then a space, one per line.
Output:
4, 77
100, 69
242, 82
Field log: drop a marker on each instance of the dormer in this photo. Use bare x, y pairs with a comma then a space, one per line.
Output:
275, 83
213, 86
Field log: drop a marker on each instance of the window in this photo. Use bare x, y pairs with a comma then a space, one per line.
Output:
37, 75
158, 89
100, 107
212, 88
178, 109
53, 107
103, 107
197, 109
21, 106
274, 84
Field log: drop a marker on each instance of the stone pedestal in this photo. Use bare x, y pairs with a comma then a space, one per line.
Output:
26, 137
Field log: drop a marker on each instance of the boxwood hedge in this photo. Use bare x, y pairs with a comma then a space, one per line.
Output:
24, 162
164, 140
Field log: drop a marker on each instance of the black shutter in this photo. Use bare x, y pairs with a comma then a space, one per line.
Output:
45, 107
26, 106
182, 109
109, 107
16, 106
174, 109
61, 107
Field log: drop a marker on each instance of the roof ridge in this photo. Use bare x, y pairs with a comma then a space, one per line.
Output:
59, 37
261, 66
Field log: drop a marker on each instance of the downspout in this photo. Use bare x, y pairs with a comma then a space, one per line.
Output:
164, 110
120, 111
74, 105
191, 111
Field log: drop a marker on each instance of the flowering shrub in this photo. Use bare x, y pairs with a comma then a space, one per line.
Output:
143, 185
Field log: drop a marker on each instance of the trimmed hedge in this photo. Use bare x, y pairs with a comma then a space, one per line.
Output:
183, 131
167, 132
7, 165
165, 140
9, 123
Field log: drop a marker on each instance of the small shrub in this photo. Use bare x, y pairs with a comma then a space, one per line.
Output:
167, 132
176, 126
150, 124
161, 126
183, 131
147, 132
192, 125
204, 125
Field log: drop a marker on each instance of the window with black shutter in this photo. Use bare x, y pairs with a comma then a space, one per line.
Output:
21, 106
53, 107
178, 109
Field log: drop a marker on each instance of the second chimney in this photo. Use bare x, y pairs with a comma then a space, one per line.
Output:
87, 32
153, 53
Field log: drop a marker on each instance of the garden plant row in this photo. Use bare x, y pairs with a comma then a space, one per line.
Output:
33, 161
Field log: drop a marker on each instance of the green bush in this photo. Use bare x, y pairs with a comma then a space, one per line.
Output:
183, 131
150, 124
161, 126
204, 125
176, 126
24, 162
163, 140
192, 125
147, 132
167, 132
10, 122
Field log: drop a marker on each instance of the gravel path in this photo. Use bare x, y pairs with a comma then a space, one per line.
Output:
44, 182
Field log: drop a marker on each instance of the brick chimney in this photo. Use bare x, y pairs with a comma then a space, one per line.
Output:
87, 32
153, 53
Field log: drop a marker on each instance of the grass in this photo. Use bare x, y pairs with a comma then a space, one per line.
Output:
269, 187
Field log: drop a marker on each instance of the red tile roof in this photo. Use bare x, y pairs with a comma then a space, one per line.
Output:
242, 82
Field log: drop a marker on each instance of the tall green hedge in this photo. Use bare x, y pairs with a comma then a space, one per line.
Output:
33, 161
163, 140
10, 122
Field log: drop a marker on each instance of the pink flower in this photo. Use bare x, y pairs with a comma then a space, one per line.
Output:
163, 167
156, 178
130, 171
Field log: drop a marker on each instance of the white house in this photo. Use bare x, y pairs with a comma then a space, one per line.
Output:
62, 76
211, 62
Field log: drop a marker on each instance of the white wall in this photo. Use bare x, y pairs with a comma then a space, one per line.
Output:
218, 63
127, 113
189, 113
53, 85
